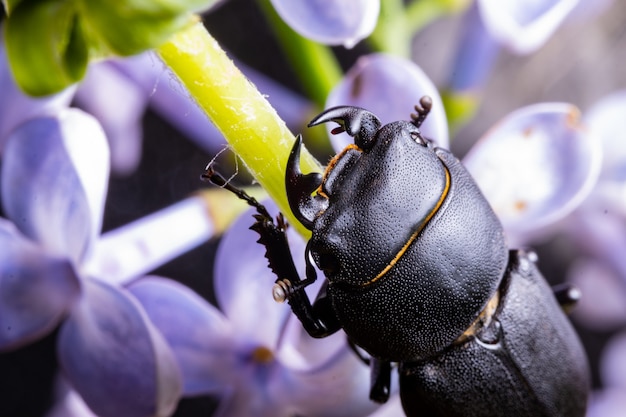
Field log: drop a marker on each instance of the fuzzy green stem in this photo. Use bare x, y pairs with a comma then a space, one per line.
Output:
251, 126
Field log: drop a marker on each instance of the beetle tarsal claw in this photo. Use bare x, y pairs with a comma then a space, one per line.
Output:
281, 290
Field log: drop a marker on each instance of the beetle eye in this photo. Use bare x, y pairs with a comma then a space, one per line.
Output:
418, 138
327, 262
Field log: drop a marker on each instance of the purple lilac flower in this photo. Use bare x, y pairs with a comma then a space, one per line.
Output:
524, 26
535, 167
598, 231
54, 178
252, 352
521, 27
330, 22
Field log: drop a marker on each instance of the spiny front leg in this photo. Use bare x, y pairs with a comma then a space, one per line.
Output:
317, 320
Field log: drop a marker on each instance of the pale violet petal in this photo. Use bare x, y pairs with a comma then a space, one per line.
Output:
243, 282
299, 351
71, 405
523, 26
391, 408
199, 335
602, 306
16, 106
613, 362
334, 22
606, 120
36, 290
338, 388
475, 56
250, 401
132, 250
608, 402
535, 166
115, 358
54, 179
587, 10
601, 234
390, 87
119, 105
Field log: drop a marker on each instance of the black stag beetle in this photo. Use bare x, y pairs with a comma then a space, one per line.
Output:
418, 274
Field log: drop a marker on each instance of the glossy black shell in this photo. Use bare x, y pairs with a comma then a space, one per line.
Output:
530, 364
442, 279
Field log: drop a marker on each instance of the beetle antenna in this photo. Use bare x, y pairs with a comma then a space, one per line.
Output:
212, 176
422, 109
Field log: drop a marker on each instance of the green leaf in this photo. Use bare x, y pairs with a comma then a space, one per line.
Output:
45, 45
132, 26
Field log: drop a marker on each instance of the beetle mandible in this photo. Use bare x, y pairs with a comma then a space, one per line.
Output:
418, 274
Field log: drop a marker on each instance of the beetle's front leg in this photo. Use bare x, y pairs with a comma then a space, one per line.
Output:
380, 380
317, 319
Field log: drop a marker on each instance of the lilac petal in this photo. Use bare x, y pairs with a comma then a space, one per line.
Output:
606, 120
199, 335
298, 350
586, 10
389, 87
115, 358
54, 178
602, 234
134, 249
16, 107
251, 401
71, 405
535, 166
524, 26
335, 22
609, 402
391, 408
602, 306
36, 290
243, 282
476, 53
613, 362
338, 388
119, 105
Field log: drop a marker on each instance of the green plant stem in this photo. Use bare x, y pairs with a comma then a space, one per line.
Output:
245, 118
391, 34
420, 13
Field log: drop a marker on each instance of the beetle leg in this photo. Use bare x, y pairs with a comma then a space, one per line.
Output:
318, 319
380, 380
567, 295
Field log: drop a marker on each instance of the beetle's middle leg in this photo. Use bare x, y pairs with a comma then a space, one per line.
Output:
317, 319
